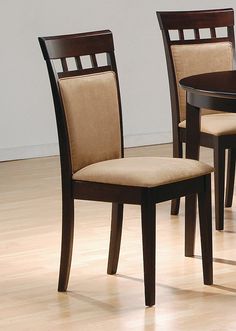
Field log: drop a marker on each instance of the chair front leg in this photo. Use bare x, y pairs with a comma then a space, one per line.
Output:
115, 237
148, 211
190, 224
230, 177
219, 164
205, 218
66, 243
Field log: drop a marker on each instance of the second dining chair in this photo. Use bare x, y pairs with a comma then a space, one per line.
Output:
198, 42
88, 113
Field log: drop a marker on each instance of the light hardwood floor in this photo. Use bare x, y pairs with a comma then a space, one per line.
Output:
30, 228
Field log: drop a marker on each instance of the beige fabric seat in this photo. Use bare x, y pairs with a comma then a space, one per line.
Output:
142, 171
217, 124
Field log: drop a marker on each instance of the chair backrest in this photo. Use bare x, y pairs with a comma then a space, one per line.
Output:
195, 42
84, 81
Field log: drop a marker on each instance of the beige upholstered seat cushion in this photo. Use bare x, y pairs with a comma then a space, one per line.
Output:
196, 59
217, 124
92, 115
142, 171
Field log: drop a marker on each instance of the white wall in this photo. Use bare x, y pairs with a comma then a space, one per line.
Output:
27, 124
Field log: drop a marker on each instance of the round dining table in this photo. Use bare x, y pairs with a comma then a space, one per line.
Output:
216, 91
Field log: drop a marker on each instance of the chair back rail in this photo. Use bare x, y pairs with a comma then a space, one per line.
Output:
197, 19
88, 43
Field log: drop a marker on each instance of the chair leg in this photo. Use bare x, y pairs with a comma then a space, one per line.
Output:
190, 224
175, 204
177, 152
115, 237
205, 218
230, 177
148, 211
219, 164
66, 243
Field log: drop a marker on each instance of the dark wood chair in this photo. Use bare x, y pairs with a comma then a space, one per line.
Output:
193, 51
88, 113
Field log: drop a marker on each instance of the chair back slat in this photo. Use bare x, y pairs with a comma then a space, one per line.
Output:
181, 34
78, 63
196, 34
213, 32
93, 60
64, 64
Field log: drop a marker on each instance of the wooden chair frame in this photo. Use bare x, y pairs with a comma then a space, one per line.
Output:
196, 20
92, 43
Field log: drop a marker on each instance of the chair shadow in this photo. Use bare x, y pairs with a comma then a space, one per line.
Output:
224, 288
113, 308
229, 231
218, 260
220, 287
116, 307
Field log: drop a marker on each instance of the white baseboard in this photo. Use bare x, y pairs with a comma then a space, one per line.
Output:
28, 152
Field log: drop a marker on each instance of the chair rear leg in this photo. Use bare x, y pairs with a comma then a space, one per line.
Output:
205, 218
148, 211
177, 152
190, 224
219, 164
66, 243
115, 237
230, 177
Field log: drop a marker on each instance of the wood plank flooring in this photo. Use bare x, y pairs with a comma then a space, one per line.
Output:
30, 228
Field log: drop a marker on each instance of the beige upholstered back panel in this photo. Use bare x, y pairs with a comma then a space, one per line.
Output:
92, 114
197, 59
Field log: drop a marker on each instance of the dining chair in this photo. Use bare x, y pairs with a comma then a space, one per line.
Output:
198, 42
87, 102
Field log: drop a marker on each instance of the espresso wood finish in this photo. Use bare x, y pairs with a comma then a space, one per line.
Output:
196, 20
92, 43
